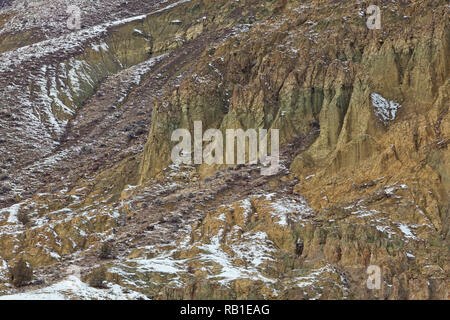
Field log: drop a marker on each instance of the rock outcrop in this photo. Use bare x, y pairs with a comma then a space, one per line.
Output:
86, 122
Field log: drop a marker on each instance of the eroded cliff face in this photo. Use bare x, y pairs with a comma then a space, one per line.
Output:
364, 178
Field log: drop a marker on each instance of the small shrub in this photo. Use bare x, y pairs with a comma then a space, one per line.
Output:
23, 218
97, 278
4, 189
106, 251
21, 274
190, 269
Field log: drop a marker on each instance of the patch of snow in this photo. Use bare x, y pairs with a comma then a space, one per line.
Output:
289, 209
170, 6
362, 212
100, 47
384, 109
163, 264
12, 211
315, 275
213, 252
385, 229
72, 288
55, 255
406, 231
255, 248
3, 270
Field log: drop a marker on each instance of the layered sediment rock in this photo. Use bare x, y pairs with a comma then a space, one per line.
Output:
364, 177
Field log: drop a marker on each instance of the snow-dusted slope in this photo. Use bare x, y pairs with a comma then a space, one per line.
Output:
73, 288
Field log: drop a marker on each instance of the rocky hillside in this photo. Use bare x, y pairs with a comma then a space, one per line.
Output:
92, 203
